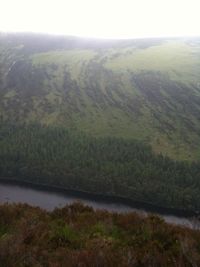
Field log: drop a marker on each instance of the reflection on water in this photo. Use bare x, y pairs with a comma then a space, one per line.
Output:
50, 200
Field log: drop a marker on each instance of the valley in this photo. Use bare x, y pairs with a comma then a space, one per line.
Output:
119, 117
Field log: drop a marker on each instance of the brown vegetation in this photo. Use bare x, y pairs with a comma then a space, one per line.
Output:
76, 235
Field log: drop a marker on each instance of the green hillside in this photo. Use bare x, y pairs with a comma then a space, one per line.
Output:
119, 118
148, 90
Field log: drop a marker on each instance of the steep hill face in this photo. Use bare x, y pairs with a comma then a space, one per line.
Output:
147, 90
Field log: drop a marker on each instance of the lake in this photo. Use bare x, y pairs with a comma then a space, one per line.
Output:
48, 200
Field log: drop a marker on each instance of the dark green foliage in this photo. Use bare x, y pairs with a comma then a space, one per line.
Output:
112, 166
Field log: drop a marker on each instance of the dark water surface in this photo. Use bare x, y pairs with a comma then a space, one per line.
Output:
48, 200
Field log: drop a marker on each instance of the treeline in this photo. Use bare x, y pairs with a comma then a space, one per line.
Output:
76, 235
112, 166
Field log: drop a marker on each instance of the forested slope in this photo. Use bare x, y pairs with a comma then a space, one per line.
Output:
109, 166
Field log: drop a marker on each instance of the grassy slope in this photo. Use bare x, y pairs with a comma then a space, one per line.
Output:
151, 92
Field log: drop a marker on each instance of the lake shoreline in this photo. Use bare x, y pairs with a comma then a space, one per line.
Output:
148, 207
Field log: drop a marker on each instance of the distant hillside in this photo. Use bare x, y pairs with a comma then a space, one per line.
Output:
148, 90
103, 116
76, 235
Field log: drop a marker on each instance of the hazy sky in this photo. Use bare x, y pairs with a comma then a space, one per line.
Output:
102, 18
